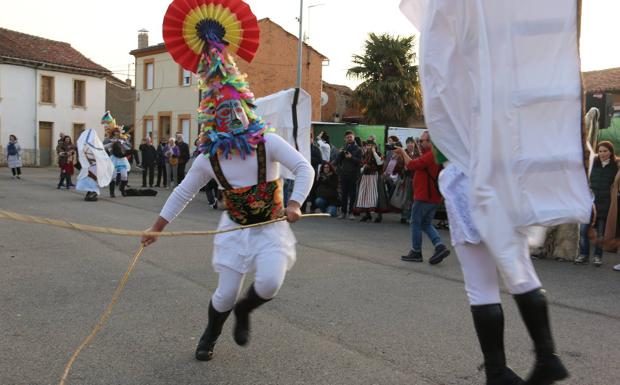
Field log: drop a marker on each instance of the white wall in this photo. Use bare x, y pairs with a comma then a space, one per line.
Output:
17, 105
20, 109
63, 113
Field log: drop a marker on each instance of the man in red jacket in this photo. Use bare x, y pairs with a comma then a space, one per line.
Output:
426, 201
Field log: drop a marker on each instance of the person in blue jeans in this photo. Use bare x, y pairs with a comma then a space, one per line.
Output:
426, 201
605, 189
327, 190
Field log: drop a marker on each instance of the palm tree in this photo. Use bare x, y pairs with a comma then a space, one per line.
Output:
390, 89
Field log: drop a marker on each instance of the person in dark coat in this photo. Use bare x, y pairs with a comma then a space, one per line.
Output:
184, 156
161, 163
327, 190
602, 177
349, 163
149, 157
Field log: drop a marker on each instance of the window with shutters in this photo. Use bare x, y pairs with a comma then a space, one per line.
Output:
79, 93
149, 74
185, 77
47, 89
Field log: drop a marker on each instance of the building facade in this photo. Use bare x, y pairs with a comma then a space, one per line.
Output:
46, 87
120, 100
167, 95
338, 103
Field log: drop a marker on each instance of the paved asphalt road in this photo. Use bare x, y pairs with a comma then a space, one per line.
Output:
350, 312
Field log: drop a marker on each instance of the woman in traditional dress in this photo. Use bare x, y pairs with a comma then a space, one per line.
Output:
371, 194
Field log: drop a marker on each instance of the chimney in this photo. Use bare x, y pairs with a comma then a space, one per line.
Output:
128, 82
143, 38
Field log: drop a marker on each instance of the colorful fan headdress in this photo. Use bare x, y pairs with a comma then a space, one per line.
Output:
198, 34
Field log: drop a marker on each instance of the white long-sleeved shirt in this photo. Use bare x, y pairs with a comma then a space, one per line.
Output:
325, 150
242, 173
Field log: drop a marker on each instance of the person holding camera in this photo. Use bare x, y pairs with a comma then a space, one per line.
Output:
348, 163
394, 164
426, 201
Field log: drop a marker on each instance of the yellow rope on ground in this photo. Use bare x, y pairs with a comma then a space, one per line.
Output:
121, 285
131, 233
104, 316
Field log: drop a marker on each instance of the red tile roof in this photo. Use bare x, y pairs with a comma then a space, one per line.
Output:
607, 80
23, 49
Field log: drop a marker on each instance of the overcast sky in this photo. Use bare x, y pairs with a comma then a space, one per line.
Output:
106, 31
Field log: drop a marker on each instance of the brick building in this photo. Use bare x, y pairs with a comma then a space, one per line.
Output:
339, 103
167, 95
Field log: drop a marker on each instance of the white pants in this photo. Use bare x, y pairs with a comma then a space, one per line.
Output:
480, 273
270, 272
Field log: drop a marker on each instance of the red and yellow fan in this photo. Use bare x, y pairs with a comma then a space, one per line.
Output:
189, 24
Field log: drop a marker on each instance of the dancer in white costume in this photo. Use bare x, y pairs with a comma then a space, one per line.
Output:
244, 158
97, 167
502, 100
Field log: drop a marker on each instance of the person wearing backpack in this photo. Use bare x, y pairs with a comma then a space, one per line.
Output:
13, 157
426, 201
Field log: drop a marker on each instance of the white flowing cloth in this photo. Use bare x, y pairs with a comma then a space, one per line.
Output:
104, 169
502, 100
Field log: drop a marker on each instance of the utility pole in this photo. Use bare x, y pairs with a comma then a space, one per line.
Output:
301, 42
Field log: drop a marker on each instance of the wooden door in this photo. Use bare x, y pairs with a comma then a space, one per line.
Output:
164, 127
45, 143
78, 128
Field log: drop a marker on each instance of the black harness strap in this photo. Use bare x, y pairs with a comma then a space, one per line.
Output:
219, 175
262, 163
261, 157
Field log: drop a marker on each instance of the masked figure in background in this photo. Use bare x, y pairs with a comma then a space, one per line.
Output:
117, 146
114, 134
244, 158
96, 165
121, 168
502, 99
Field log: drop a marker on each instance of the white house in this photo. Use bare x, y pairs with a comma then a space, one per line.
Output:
46, 87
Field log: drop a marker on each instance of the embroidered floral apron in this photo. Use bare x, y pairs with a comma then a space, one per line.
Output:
252, 204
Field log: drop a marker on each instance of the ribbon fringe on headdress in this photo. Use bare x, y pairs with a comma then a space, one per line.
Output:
217, 70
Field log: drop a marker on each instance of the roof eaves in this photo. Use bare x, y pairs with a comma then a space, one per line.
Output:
53, 66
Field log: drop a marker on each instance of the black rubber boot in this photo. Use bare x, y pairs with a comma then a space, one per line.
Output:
112, 187
91, 196
489, 324
122, 187
548, 367
242, 310
204, 350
